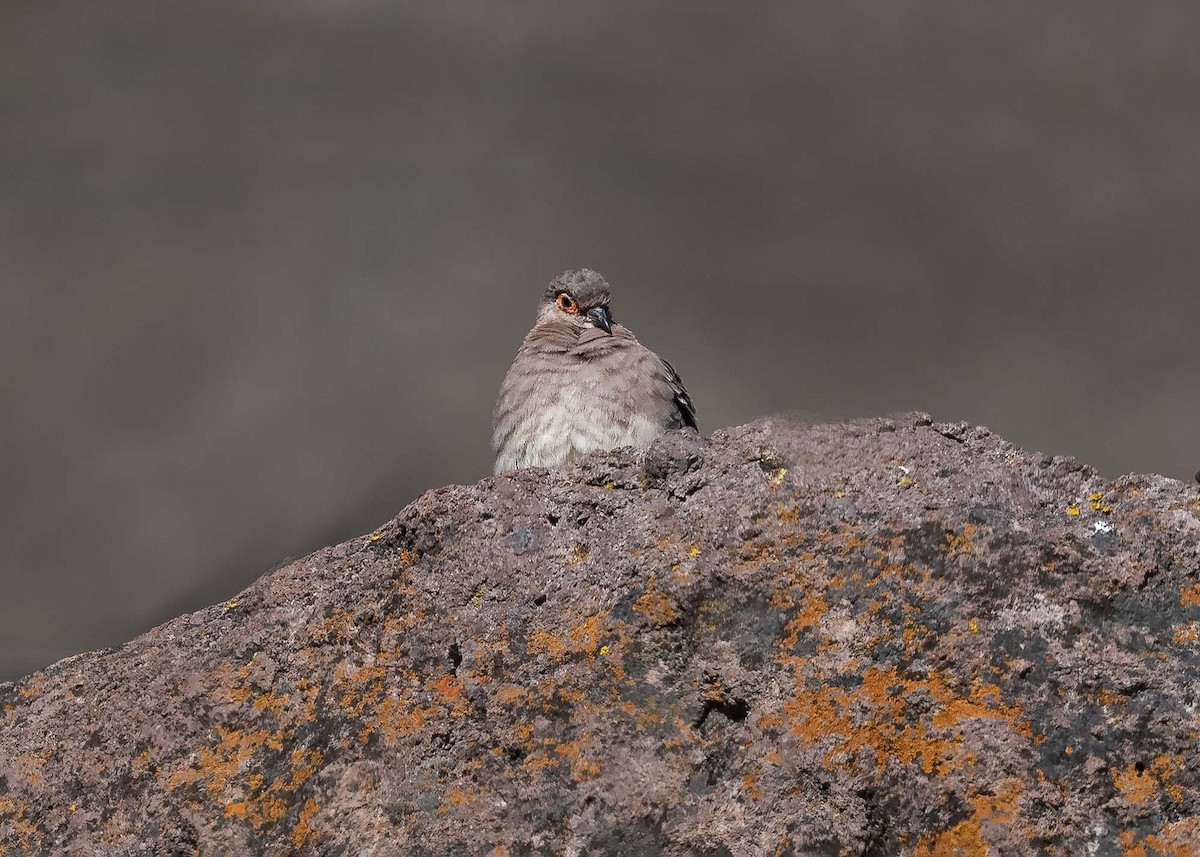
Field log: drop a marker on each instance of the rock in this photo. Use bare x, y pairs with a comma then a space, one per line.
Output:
889, 636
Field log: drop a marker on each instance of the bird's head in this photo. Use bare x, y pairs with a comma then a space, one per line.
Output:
578, 298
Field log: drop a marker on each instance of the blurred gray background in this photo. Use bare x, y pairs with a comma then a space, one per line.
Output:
263, 265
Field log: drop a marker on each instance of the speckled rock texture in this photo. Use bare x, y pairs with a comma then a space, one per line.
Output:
882, 637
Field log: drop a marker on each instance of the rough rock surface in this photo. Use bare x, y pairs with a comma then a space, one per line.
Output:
874, 638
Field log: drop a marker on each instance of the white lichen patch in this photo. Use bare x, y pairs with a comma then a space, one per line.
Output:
1038, 612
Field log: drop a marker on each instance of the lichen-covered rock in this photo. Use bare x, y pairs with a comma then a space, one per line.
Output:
874, 638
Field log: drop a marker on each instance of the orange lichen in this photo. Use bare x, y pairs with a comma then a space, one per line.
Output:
768, 720
782, 599
585, 769
304, 765
572, 752
1164, 767
872, 721
1189, 596
32, 764
959, 544
656, 607
872, 718
1108, 697
216, 766
231, 770
537, 762
268, 805
304, 829
1136, 786
915, 637
853, 714
272, 702
789, 514
348, 685
966, 838
648, 713
1139, 786
808, 617
1188, 633
397, 718
455, 797
23, 822
583, 637
1181, 839
448, 690
400, 715
508, 695
340, 626
963, 840
1130, 847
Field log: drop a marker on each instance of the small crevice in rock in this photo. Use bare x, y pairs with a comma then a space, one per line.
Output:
768, 462
514, 755
540, 600
954, 434
733, 710
455, 655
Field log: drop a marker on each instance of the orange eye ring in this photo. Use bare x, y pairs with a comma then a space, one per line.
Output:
566, 303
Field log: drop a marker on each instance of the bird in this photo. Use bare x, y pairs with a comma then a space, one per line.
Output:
582, 384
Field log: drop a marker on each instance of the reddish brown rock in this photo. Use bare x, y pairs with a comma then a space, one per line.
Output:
873, 638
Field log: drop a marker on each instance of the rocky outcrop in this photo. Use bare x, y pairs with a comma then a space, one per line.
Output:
883, 637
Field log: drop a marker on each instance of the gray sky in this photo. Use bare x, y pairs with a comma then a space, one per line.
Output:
262, 266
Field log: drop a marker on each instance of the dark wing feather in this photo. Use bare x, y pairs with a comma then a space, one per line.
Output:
685, 412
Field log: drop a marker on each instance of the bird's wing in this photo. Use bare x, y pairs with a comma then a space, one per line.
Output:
684, 412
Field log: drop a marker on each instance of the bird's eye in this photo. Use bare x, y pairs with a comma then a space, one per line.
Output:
566, 303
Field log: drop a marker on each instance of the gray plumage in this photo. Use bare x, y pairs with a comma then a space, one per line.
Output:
582, 384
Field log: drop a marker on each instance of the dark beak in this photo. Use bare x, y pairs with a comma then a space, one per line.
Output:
602, 318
